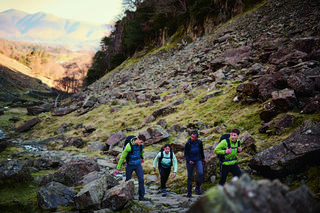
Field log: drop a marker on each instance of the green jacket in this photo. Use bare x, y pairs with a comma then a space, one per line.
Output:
126, 152
230, 159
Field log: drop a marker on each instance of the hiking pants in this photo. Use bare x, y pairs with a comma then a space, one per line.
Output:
199, 167
164, 174
224, 171
139, 172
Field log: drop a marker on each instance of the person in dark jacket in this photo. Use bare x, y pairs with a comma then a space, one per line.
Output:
193, 152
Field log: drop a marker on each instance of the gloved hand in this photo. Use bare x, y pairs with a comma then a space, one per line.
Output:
142, 160
116, 172
154, 169
228, 151
239, 149
190, 162
174, 175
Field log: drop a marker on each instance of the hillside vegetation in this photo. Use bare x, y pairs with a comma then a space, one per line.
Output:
251, 73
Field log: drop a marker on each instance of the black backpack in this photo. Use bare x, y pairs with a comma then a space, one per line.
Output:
128, 140
161, 156
227, 138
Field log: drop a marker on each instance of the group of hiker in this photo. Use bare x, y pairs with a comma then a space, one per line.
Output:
227, 149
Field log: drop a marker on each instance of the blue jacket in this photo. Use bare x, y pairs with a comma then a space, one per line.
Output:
187, 150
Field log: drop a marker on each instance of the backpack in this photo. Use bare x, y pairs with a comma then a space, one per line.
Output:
128, 140
227, 138
161, 156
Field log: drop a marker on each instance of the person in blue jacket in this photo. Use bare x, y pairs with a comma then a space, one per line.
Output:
193, 152
133, 153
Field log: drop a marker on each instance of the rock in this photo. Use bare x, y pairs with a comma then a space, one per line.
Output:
155, 134
72, 172
96, 146
28, 125
117, 197
73, 141
90, 197
248, 142
18, 171
64, 127
258, 196
285, 122
54, 195
115, 139
36, 110
291, 155
62, 111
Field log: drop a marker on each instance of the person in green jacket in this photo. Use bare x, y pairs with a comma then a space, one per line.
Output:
166, 159
229, 163
133, 153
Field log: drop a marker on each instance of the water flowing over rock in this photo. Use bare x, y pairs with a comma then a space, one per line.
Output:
301, 148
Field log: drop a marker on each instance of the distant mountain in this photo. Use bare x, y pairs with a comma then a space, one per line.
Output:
48, 29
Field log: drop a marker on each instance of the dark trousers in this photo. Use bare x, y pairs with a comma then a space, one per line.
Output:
164, 174
224, 171
199, 167
139, 172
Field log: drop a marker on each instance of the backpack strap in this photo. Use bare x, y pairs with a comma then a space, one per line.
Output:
171, 157
228, 142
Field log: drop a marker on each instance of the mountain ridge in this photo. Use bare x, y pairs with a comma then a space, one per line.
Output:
45, 28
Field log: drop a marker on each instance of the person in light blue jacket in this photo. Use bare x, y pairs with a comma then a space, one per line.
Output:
166, 159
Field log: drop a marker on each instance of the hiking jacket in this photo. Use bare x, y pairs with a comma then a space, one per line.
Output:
187, 151
134, 157
166, 161
231, 158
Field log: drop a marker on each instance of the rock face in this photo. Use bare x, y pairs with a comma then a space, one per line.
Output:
248, 195
301, 148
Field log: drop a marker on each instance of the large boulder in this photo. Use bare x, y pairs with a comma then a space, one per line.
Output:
155, 134
256, 196
117, 197
72, 172
91, 195
115, 139
301, 148
15, 170
55, 194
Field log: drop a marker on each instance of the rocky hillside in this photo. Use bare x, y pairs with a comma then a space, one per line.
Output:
259, 72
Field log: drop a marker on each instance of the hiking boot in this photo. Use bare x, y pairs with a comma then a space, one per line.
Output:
198, 190
164, 192
189, 194
142, 199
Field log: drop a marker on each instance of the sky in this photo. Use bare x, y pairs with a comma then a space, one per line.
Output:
95, 11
